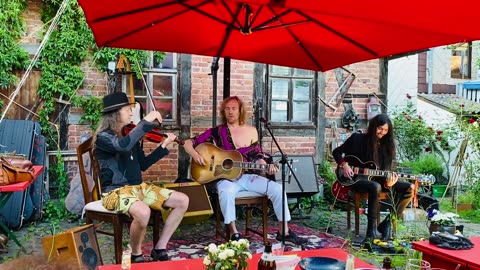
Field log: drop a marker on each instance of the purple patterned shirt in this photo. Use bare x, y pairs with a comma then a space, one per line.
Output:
222, 138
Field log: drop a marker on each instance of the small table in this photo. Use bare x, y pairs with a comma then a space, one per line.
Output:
191, 264
450, 259
7, 191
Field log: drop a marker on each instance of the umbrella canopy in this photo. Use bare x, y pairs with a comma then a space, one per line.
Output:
310, 34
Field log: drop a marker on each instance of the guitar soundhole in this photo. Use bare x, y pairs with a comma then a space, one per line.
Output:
227, 164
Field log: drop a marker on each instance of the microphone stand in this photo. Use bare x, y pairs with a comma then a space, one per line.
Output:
283, 161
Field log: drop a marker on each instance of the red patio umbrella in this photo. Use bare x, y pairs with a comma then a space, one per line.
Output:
310, 34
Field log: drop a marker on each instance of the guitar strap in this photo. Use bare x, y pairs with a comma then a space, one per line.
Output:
415, 193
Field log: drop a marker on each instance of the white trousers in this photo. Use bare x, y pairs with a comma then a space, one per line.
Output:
227, 190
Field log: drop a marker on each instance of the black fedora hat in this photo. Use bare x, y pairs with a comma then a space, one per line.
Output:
115, 101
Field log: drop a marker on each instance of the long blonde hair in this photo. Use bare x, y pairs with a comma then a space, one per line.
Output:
241, 108
110, 120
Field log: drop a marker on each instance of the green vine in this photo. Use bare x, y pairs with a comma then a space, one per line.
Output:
12, 26
61, 58
104, 55
91, 109
64, 52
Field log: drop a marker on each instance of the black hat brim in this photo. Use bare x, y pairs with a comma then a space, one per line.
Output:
116, 107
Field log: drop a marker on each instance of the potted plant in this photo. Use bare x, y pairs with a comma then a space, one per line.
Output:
441, 222
465, 200
230, 255
430, 164
158, 58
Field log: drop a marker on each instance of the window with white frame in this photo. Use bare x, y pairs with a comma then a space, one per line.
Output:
160, 78
291, 94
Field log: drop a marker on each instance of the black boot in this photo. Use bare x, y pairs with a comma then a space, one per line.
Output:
385, 228
372, 232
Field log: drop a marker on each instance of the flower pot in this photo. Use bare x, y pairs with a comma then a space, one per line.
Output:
438, 190
464, 206
434, 227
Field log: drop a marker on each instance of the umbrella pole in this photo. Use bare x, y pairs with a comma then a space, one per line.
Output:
226, 77
214, 72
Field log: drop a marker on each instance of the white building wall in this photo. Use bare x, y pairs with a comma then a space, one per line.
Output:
402, 80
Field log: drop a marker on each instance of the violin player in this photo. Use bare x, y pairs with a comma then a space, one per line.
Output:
122, 160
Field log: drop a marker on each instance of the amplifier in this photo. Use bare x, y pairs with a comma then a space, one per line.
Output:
199, 208
304, 168
78, 244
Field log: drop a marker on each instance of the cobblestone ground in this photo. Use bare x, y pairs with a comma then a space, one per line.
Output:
31, 235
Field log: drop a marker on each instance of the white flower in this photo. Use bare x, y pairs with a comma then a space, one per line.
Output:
249, 255
228, 255
443, 219
212, 248
230, 252
223, 255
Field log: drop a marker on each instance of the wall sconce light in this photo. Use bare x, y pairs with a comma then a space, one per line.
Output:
112, 76
373, 108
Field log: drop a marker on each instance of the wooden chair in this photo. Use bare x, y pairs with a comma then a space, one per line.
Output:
94, 210
357, 197
249, 199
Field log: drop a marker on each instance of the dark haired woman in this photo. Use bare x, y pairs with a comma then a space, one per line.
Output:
378, 146
122, 160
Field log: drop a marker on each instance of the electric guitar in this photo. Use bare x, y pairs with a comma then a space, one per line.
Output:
220, 164
362, 170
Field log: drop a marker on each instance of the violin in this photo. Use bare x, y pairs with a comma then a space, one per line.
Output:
154, 135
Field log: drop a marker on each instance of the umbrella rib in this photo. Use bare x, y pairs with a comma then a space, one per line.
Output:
123, 14
194, 8
106, 43
235, 17
339, 34
299, 42
275, 18
282, 26
228, 31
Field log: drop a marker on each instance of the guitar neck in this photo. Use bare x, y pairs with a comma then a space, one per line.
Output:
250, 165
380, 173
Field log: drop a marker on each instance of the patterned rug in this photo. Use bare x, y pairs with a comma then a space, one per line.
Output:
190, 240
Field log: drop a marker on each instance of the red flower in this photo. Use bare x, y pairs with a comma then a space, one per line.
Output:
472, 120
462, 105
439, 132
439, 138
420, 117
428, 149
409, 97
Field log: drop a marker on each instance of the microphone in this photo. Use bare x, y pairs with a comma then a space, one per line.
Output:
265, 121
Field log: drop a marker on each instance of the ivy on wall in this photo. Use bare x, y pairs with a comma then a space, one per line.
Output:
60, 61
13, 56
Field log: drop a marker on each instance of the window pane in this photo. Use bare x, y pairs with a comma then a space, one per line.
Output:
303, 72
162, 85
301, 111
279, 111
280, 71
139, 86
301, 90
459, 63
169, 61
279, 89
164, 106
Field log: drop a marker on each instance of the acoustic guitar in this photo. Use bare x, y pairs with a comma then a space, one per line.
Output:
220, 164
368, 170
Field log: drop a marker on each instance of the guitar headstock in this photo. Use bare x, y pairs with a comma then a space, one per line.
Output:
426, 180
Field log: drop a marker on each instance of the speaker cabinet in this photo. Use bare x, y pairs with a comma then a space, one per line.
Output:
199, 208
304, 168
78, 244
